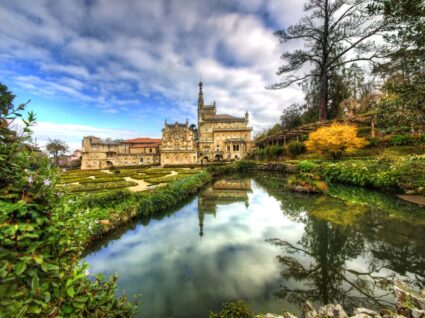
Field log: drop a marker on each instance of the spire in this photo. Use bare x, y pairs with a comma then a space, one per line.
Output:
200, 97
246, 115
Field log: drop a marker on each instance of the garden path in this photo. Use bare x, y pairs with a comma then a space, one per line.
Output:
143, 185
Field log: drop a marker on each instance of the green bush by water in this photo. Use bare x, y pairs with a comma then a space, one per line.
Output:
233, 309
296, 148
402, 173
40, 245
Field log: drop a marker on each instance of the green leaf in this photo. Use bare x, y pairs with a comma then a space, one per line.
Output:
70, 291
20, 268
67, 309
38, 259
34, 283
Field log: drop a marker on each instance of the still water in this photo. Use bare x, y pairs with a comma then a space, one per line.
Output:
248, 238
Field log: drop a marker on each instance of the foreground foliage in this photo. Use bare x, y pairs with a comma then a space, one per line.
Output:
39, 267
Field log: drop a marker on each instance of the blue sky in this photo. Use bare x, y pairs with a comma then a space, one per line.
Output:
119, 68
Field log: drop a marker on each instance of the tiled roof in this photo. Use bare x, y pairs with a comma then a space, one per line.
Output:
223, 117
144, 140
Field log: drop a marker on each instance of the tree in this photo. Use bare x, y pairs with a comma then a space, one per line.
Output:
336, 33
404, 104
405, 35
195, 131
404, 68
56, 148
335, 140
291, 116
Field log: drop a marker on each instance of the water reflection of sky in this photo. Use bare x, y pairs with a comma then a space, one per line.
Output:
181, 274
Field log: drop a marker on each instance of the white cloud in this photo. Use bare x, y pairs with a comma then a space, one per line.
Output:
143, 48
73, 134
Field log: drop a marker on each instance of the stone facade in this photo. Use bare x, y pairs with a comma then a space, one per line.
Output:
221, 136
221, 192
178, 144
104, 154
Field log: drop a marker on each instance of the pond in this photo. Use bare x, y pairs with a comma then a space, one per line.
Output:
249, 238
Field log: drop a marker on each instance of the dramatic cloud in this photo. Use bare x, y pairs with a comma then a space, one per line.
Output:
149, 55
71, 133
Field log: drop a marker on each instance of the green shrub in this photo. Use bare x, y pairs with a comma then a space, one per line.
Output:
101, 199
370, 173
245, 165
363, 131
296, 148
40, 247
259, 154
86, 187
307, 183
372, 142
233, 309
401, 140
307, 166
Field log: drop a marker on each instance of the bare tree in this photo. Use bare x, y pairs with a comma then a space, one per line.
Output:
56, 148
335, 33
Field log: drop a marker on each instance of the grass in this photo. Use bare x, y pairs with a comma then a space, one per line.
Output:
95, 214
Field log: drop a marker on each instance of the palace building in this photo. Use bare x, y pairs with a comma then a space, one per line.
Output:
221, 136
104, 154
218, 137
178, 144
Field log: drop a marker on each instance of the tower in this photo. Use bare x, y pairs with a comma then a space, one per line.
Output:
200, 104
200, 97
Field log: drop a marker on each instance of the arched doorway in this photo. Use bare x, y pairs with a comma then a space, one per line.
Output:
109, 164
218, 157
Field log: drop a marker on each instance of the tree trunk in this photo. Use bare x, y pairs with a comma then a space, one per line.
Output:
323, 97
323, 92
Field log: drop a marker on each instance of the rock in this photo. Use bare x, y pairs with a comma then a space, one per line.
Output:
269, 316
417, 313
309, 311
407, 299
331, 310
104, 222
366, 311
386, 313
361, 316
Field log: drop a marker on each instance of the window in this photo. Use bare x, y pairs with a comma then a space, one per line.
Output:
141, 160
235, 147
150, 150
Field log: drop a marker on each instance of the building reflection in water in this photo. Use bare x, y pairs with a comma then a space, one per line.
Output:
222, 192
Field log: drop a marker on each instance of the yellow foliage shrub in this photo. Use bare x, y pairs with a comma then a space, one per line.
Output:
335, 140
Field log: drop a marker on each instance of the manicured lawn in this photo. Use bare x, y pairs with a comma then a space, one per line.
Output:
79, 181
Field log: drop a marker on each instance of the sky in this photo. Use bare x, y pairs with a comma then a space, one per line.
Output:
120, 68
